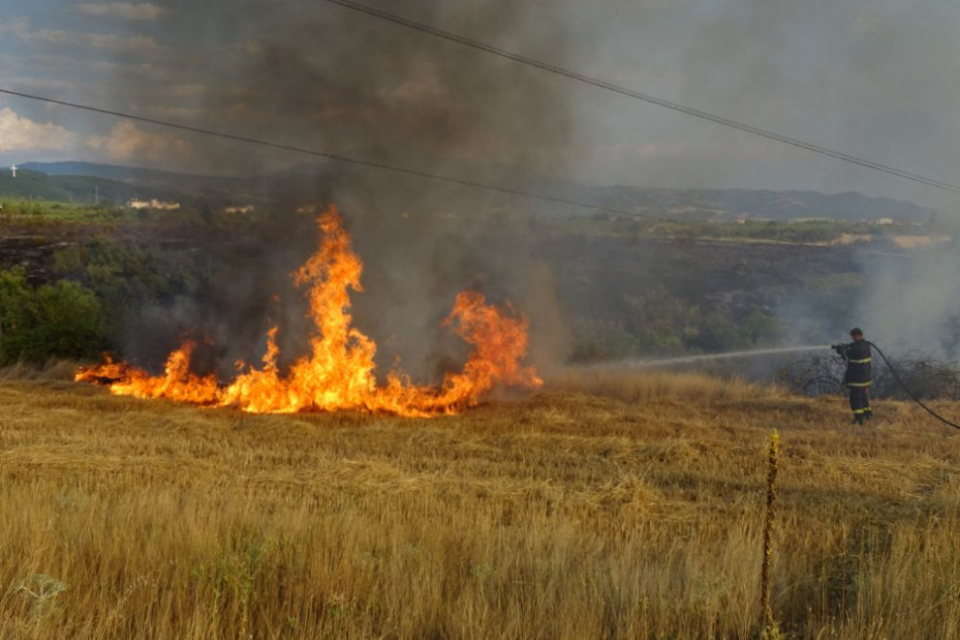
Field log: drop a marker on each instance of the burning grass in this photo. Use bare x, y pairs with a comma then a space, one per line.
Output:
562, 516
338, 374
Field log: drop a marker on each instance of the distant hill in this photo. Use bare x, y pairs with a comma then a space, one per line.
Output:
730, 204
686, 204
147, 178
689, 204
70, 188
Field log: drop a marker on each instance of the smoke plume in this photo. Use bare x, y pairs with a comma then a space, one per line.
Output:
321, 77
914, 304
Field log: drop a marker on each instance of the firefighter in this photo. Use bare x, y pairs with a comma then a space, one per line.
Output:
857, 378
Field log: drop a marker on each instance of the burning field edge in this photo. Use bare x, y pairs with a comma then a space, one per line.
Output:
339, 372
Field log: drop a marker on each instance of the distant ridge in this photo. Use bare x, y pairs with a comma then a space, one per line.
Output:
71, 188
108, 171
731, 204
150, 178
682, 204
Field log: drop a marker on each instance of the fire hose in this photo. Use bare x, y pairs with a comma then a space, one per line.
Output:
910, 393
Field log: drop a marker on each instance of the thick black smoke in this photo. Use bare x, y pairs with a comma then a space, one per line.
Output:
319, 76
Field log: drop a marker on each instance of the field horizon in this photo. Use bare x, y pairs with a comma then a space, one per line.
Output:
609, 505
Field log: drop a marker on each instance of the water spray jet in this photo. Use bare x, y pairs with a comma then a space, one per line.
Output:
639, 363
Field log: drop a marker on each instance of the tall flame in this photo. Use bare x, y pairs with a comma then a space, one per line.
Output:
338, 373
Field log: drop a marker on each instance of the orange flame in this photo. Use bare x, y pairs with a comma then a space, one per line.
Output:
338, 373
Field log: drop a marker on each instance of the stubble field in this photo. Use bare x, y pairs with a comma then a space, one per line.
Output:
608, 506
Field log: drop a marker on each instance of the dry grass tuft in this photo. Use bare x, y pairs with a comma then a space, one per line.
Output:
638, 385
564, 515
53, 370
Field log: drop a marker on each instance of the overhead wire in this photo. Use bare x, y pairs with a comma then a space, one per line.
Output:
341, 158
483, 185
609, 86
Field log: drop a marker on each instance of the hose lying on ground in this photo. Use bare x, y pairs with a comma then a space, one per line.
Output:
910, 393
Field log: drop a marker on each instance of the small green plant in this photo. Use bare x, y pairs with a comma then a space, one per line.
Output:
44, 593
232, 576
481, 574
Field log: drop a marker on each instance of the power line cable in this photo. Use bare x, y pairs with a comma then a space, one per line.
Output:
340, 158
603, 84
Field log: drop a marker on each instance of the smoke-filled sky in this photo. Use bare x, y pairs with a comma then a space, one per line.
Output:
875, 78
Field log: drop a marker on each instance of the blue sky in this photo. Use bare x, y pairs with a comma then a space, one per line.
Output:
875, 78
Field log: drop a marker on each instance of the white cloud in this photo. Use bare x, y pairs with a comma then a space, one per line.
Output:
65, 65
20, 28
127, 143
105, 41
122, 11
22, 134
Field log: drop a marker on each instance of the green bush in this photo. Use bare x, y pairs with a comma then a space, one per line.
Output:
598, 340
62, 320
657, 322
665, 323
127, 278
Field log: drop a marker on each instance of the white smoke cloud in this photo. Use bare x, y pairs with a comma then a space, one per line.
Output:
127, 143
144, 12
915, 304
22, 134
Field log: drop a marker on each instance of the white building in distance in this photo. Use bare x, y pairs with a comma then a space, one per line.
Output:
246, 209
153, 204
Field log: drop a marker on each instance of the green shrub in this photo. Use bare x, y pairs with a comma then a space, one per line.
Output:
603, 340
62, 320
657, 322
127, 278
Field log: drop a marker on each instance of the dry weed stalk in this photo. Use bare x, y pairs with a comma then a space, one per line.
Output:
771, 630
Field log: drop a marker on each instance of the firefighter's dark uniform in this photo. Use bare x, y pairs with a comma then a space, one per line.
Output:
858, 378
